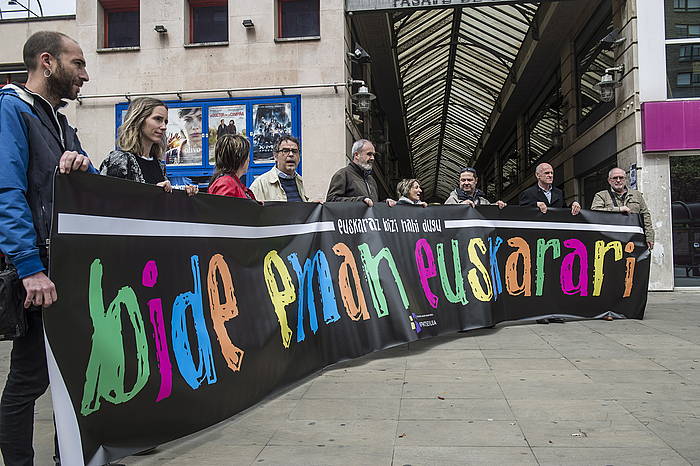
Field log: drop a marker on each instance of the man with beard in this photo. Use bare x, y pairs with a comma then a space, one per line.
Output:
282, 182
354, 182
620, 198
467, 193
34, 139
221, 130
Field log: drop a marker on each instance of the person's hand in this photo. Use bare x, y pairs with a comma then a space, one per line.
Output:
501, 204
468, 202
626, 210
318, 201
575, 208
72, 161
191, 189
167, 187
390, 202
650, 244
542, 206
423, 204
368, 201
40, 290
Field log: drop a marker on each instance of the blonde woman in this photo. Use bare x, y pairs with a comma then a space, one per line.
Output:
409, 193
141, 144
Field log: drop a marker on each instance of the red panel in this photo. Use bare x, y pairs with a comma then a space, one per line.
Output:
201, 3
119, 5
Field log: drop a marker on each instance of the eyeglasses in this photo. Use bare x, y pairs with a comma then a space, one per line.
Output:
287, 151
617, 177
373, 154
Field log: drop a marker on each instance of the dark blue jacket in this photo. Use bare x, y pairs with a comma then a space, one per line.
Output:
33, 136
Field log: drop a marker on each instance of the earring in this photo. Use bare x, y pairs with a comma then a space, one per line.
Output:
47, 73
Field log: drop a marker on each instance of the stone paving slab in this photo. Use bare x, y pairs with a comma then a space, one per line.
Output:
585, 392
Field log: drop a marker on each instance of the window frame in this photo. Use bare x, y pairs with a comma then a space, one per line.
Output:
117, 6
195, 4
279, 37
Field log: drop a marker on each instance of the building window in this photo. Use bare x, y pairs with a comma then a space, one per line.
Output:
682, 48
592, 58
121, 23
510, 162
544, 124
12, 73
208, 21
298, 19
685, 5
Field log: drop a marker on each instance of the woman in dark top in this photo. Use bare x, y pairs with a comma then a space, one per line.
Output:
141, 143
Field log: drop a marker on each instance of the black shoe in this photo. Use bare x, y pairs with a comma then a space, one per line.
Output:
542, 321
556, 320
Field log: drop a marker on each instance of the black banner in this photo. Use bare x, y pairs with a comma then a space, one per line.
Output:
175, 313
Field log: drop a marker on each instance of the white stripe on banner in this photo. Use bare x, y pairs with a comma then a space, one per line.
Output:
542, 225
76, 224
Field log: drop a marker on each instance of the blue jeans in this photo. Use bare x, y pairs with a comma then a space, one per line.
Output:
27, 380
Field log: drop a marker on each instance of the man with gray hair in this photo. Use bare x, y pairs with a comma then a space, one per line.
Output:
354, 182
620, 198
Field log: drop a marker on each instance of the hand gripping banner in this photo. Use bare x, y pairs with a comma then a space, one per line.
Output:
176, 313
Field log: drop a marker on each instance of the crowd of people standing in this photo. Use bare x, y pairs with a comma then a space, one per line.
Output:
36, 138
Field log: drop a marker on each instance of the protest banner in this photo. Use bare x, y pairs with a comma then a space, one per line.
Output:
176, 313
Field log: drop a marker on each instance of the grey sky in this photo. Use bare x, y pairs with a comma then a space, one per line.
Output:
50, 7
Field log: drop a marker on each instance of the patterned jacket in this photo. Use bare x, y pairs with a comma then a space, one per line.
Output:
121, 164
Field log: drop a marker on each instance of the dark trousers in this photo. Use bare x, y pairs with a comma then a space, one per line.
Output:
27, 380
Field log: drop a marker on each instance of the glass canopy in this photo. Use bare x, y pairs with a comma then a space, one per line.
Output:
453, 64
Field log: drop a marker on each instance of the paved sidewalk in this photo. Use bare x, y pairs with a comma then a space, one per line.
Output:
592, 392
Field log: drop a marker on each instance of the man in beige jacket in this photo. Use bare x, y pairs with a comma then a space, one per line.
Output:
619, 198
282, 182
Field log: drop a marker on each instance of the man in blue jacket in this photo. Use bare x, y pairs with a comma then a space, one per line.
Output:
34, 139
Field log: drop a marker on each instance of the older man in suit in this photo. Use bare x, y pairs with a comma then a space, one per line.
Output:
544, 195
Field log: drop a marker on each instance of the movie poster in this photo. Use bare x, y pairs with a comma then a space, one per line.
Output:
270, 122
230, 119
184, 136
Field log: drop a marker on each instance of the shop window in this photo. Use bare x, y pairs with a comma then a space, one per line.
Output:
121, 23
208, 21
12, 73
298, 19
592, 58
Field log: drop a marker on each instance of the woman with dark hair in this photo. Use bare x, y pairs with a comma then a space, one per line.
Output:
232, 155
141, 144
409, 192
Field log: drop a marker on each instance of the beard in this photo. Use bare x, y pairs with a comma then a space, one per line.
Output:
365, 166
60, 84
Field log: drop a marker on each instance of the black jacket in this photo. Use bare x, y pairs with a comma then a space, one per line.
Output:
352, 183
534, 194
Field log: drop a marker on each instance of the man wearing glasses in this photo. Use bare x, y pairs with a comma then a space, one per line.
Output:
619, 198
282, 182
354, 183
467, 193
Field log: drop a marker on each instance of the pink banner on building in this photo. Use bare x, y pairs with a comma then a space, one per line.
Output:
669, 126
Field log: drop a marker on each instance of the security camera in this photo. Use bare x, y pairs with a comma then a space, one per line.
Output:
360, 55
608, 83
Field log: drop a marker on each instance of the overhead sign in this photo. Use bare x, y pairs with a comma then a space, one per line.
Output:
178, 312
382, 5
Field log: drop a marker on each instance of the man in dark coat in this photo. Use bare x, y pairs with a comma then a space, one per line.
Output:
544, 195
354, 182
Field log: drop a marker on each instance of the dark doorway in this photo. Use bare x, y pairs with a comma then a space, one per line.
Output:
685, 214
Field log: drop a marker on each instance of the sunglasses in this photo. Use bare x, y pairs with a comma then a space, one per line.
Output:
468, 169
